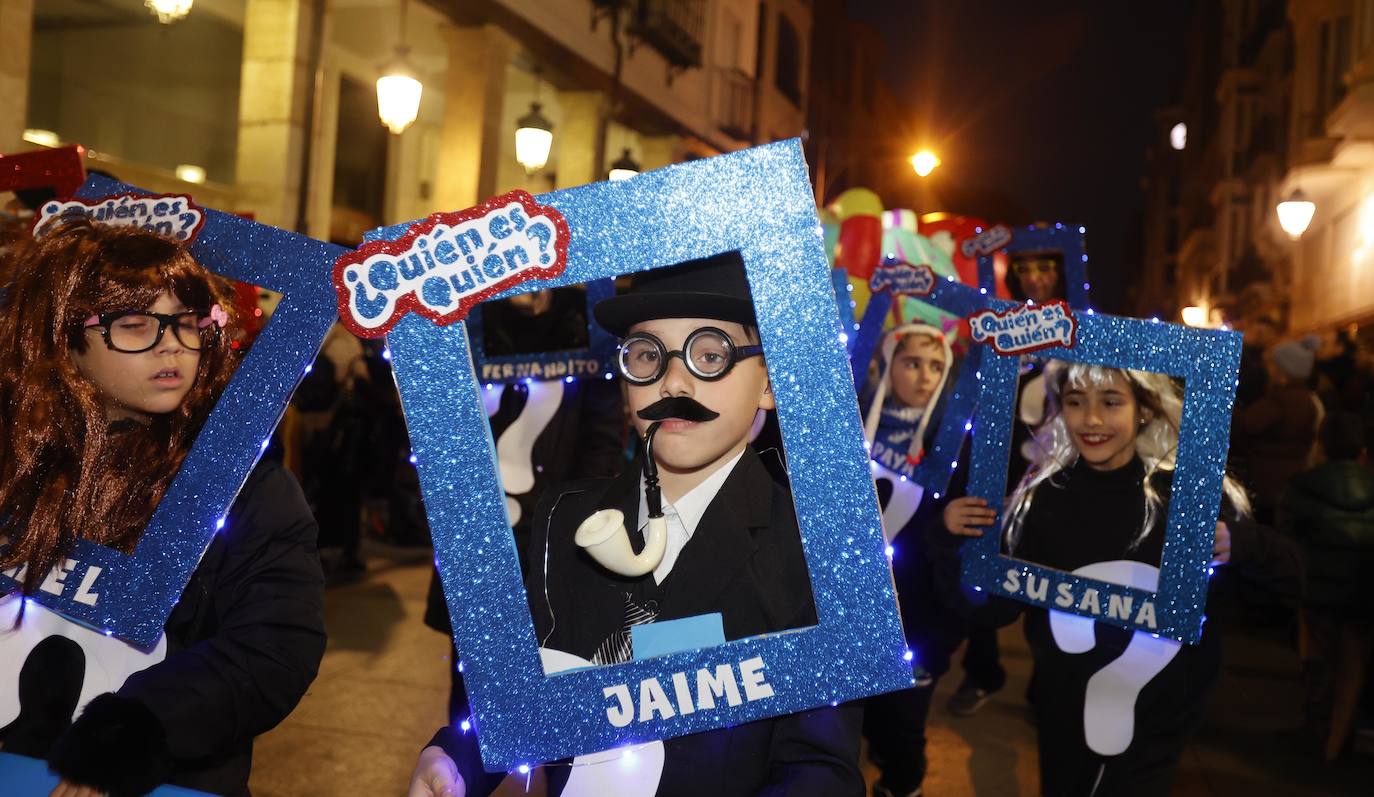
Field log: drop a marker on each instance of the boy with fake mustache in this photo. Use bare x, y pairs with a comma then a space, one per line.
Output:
709, 532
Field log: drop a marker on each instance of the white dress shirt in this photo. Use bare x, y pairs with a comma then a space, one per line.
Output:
684, 514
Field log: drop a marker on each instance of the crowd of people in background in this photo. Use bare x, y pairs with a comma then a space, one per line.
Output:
1301, 442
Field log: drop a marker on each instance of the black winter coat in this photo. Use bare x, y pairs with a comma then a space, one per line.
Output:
1329, 510
244, 643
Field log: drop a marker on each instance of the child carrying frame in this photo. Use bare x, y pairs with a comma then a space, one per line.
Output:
757, 202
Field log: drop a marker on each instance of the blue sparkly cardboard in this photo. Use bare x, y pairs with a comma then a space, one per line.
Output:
933, 472
1066, 239
130, 595
1207, 360
593, 361
760, 203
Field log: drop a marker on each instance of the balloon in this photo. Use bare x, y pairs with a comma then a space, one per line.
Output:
859, 245
857, 202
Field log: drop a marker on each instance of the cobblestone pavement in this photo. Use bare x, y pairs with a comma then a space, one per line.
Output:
383, 685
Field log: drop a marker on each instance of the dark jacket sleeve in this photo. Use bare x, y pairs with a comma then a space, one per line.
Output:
244, 673
816, 753
946, 564
1254, 419
1264, 558
601, 429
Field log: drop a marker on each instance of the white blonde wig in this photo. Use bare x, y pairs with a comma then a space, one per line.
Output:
1156, 442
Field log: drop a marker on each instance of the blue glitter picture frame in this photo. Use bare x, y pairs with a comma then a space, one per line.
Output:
762, 206
592, 361
1208, 361
1066, 239
956, 420
134, 593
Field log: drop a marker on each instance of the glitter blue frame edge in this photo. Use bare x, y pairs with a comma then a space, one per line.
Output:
1066, 238
936, 469
136, 592
856, 649
1208, 361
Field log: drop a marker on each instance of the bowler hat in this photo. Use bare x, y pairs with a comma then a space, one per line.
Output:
712, 287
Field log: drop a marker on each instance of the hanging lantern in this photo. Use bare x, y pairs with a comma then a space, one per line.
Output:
624, 167
1295, 213
398, 94
169, 11
399, 89
533, 139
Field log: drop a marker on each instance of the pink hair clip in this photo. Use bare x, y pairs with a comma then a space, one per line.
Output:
217, 317
93, 321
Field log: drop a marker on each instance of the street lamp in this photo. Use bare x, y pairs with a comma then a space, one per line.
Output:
1178, 136
398, 89
533, 139
624, 167
398, 94
1295, 213
1195, 316
169, 11
533, 135
924, 162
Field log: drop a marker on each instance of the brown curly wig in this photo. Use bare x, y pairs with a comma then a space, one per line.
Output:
66, 472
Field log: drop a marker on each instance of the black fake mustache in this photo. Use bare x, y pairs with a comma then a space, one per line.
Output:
687, 409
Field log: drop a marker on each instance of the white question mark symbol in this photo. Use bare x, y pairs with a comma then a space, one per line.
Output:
514, 449
544, 234
901, 505
109, 661
1109, 701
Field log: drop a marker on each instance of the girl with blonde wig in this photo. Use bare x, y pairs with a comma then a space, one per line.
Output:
1095, 502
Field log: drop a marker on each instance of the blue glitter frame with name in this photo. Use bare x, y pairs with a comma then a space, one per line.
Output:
762, 206
594, 361
129, 596
1208, 361
934, 471
1067, 239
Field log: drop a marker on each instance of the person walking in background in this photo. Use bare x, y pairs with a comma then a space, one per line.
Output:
1329, 510
1272, 437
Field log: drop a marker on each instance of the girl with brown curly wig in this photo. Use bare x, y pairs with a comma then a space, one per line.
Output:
110, 362
112, 356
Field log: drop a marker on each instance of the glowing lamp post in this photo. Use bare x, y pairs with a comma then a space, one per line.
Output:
1295, 213
169, 11
624, 167
398, 89
533, 139
925, 162
398, 95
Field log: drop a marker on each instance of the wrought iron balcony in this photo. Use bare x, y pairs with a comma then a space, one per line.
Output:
733, 103
672, 27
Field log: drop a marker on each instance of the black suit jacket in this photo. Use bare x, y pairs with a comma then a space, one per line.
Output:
745, 561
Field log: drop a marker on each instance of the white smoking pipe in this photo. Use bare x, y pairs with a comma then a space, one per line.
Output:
604, 535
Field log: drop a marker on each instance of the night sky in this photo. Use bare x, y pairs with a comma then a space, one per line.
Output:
1040, 110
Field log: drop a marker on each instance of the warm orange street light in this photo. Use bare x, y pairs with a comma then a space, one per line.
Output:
924, 162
